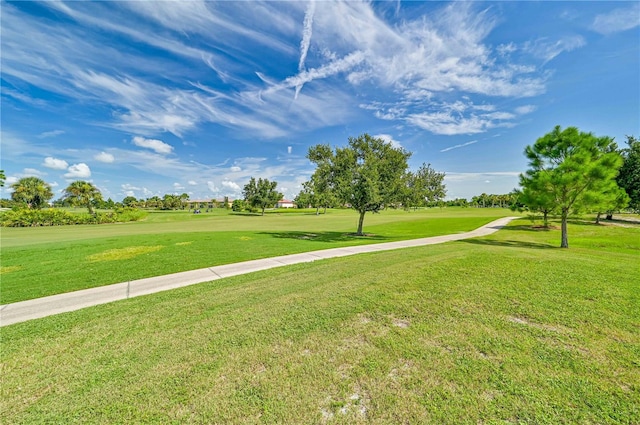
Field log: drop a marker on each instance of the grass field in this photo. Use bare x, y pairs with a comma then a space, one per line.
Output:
503, 329
43, 261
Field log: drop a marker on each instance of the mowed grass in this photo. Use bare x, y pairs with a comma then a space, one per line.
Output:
503, 329
43, 261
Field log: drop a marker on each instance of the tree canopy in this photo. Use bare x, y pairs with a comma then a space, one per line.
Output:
32, 192
83, 193
367, 175
629, 176
570, 170
261, 193
424, 186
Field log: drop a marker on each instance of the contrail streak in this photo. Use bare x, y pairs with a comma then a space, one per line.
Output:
307, 32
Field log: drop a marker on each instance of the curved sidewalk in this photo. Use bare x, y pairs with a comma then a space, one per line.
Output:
62, 303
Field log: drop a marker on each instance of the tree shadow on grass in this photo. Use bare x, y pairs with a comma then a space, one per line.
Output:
325, 236
580, 222
530, 228
508, 243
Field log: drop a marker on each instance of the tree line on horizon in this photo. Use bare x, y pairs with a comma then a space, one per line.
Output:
569, 172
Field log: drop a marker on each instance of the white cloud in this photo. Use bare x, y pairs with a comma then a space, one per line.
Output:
178, 186
11, 180
192, 183
461, 117
104, 157
506, 49
212, 187
449, 124
289, 149
33, 172
546, 49
389, 139
343, 47
621, 19
129, 187
80, 171
231, 185
235, 169
156, 145
56, 164
525, 109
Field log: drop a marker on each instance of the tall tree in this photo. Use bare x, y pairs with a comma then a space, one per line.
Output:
536, 196
368, 174
423, 187
83, 193
321, 186
629, 177
306, 198
171, 202
2, 178
32, 192
261, 193
569, 167
130, 201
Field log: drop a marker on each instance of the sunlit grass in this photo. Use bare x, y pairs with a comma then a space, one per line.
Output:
49, 261
503, 329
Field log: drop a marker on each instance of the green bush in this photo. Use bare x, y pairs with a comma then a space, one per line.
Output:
56, 217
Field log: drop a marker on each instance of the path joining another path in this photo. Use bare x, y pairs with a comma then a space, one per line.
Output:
62, 303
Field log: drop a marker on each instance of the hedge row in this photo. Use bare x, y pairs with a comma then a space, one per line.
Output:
56, 217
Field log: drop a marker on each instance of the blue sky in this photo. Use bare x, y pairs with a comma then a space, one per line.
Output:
145, 98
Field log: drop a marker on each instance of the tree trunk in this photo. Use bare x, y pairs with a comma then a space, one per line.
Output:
598, 218
263, 208
565, 237
317, 210
360, 222
545, 219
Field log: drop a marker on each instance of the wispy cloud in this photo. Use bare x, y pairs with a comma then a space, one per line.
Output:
547, 50
458, 146
525, 109
52, 133
620, 19
351, 46
461, 118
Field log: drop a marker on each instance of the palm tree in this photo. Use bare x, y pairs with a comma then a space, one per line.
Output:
32, 191
83, 193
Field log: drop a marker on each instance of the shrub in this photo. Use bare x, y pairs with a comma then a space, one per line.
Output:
55, 217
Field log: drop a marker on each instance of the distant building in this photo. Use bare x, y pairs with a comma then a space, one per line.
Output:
283, 203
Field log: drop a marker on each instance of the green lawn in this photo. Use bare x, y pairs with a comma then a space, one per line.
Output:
503, 329
43, 261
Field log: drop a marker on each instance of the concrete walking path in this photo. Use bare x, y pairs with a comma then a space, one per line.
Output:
62, 303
